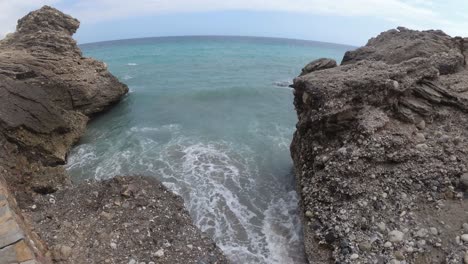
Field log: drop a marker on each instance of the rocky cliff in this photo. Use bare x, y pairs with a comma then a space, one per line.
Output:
380, 151
48, 92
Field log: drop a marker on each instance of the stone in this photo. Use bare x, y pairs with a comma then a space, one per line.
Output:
399, 255
434, 231
309, 214
132, 261
365, 246
465, 258
382, 227
464, 181
10, 232
159, 253
388, 244
464, 237
395, 236
317, 65
421, 125
465, 227
421, 233
354, 256
113, 245
61, 252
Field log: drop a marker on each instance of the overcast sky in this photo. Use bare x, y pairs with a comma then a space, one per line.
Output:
340, 21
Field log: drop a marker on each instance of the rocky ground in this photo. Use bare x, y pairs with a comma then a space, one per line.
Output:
48, 92
123, 220
381, 151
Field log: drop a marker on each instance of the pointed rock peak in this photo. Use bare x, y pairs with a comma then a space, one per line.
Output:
47, 19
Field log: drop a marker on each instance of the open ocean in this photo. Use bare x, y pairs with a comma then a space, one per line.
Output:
212, 118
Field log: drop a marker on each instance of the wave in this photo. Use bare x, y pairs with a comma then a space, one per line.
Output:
127, 77
132, 64
217, 180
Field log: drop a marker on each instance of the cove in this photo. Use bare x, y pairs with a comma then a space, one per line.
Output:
212, 118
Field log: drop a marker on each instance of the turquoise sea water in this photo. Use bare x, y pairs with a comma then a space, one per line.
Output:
212, 119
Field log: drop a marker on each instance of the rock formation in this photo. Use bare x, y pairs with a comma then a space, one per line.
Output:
380, 152
48, 92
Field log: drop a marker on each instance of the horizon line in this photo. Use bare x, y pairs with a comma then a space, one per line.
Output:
231, 36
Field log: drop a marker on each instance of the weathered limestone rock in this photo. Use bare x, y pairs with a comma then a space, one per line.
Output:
381, 141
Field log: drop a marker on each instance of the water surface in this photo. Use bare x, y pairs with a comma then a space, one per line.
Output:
212, 119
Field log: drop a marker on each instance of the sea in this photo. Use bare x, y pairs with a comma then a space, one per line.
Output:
212, 118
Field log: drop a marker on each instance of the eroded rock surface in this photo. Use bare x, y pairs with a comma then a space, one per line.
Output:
380, 150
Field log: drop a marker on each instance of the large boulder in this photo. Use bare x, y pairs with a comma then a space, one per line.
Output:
380, 149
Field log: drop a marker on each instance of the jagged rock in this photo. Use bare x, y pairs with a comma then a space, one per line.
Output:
317, 65
357, 150
399, 45
47, 88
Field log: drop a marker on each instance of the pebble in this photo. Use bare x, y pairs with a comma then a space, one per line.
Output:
382, 227
421, 125
365, 246
190, 246
354, 256
464, 237
409, 249
465, 227
388, 244
420, 138
61, 252
309, 214
421, 243
464, 181
394, 261
421, 232
399, 255
395, 236
465, 259
159, 253
132, 261
113, 245
434, 231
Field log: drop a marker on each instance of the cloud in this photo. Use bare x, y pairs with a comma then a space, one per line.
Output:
419, 14
11, 11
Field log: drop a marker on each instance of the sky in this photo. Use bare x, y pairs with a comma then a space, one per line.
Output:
350, 22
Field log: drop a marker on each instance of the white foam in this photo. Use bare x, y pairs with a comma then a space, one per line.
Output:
217, 182
282, 227
132, 64
127, 77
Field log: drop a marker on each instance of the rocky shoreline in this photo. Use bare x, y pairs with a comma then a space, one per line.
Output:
48, 93
380, 151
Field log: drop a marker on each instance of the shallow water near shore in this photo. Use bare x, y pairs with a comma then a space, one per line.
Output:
212, 118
